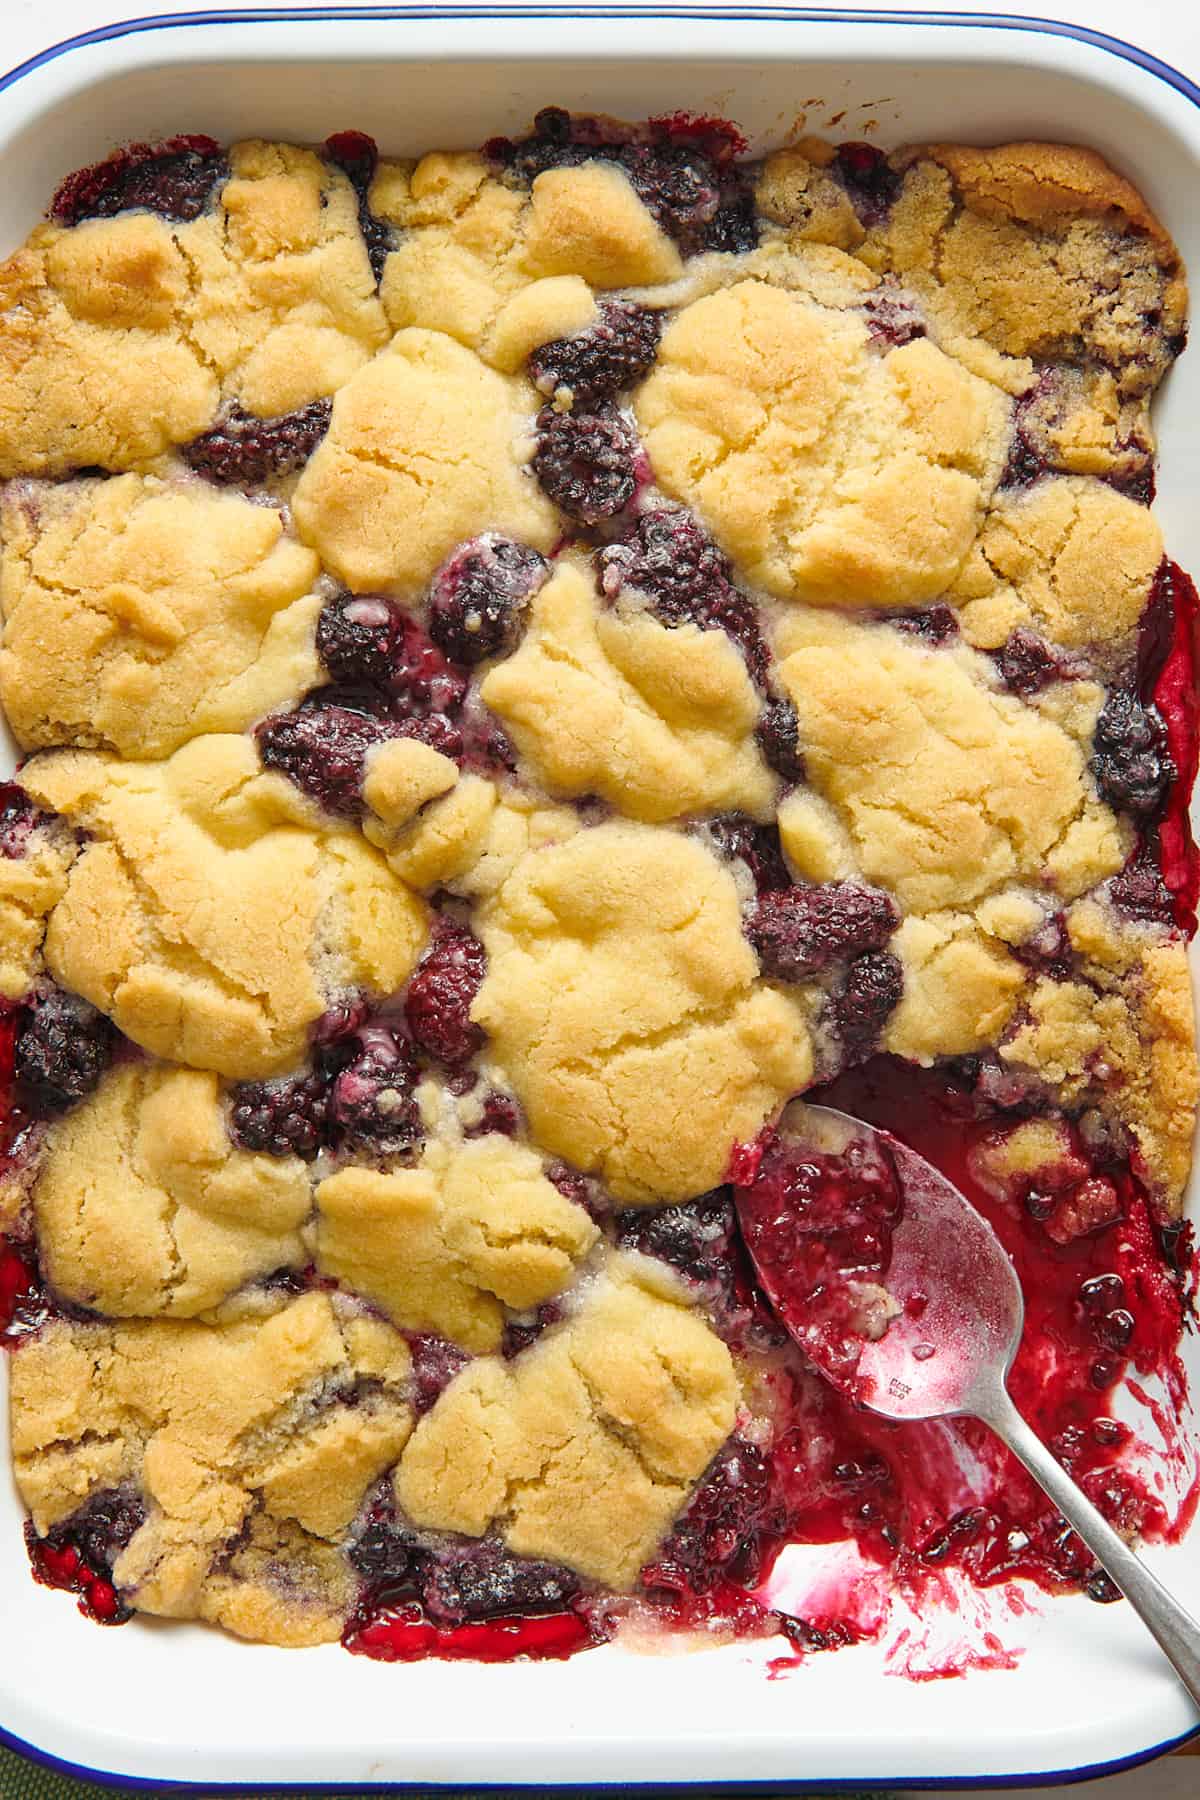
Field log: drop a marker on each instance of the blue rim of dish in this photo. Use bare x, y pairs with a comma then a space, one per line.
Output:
803, 15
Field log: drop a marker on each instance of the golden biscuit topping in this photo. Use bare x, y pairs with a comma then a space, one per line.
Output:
528, 661
139, 614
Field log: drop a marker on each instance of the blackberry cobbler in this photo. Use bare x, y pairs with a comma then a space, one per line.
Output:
525, 662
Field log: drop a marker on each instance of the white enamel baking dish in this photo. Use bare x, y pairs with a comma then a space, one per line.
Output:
165, 1704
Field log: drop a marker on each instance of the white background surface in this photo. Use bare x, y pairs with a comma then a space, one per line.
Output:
1168, 28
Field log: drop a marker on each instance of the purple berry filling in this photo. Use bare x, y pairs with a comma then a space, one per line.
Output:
323, 747
457, 1583
715, 1539
677, 181
1129, 756
174, 179
778, 736
802, 930
1026, 664
485, 1581
438, 1003
733, 835
695, 1238
78, 1553
102, 1527
871, 184
479, 597
934, 625
19, 818
368, 640
1140, 892
587, 463
357, 156
733, 228
372, 1104
518, 1337
500, 1113
670, 559
892, 317
244, 451
868, 996
435, 1363
286, 1117
595, 364
1048, 951
63, 1048
1025, 463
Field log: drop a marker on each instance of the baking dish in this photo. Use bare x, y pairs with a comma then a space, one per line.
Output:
162, 1704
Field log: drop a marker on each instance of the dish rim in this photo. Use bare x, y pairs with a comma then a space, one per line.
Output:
1108, 43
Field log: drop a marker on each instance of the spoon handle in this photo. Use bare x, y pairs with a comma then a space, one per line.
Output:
1176, 1631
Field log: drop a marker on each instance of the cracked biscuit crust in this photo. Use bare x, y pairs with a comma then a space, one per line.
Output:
946, 789
828, 473
659, 722
144, 1209
421, 453
503, 271
1039, 249
138, 614
622, 1005
1069, 559
253, 1444
585, 1449
447, 1246
31, 885
120, 337
205, 917
283, 301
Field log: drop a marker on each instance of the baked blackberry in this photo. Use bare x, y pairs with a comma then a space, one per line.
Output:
19, 818
892, 316
778, 737
479, 597
369, 641
595, 364
174, 179
716, 1538
1026, 664
1140, 892
800, 931
440, 994
869, 180
486, 1581
733, 228
586, 462
678, 182
372, 1104
933, 625
244, 451
1129, 756
322, 747
758, 846
435, 1363
285, 1117
357, 155
361, 639
671, 559
695, 1238
868, 996
62, 1049
687, 579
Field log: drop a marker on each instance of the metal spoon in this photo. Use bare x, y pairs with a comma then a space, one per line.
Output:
954, 1358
